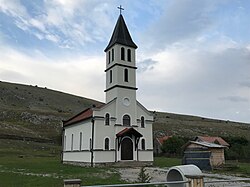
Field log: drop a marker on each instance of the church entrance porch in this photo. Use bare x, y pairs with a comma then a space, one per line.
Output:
126, 149
127, 144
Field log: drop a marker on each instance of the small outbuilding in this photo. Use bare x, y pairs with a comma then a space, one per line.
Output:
203, 154
212, 139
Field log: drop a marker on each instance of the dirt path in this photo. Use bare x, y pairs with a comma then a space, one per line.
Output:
159, 175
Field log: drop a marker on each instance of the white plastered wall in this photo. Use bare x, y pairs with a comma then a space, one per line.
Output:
74, 153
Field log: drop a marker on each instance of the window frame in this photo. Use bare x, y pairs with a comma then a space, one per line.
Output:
122, 53
106, 144
110, 76
129, 55
143, 144
107, 119
113, 54
126, 120
125, 75
142, 122
109, 57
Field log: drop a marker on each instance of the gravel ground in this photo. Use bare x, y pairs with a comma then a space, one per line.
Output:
159, 175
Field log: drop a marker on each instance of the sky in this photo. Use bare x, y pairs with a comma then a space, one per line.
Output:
193, 56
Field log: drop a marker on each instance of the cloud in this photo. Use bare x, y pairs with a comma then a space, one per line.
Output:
234, 99
191, 80
245, 84
65, 23
80, 75
181, 20
147, 64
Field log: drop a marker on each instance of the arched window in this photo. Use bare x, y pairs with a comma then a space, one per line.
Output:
107, 119
109, 57
80, 143
142, 122
113, 54
72, 143
106, 144
143, 144
110, 76
122, 53
126, 120
129, 55
126, 75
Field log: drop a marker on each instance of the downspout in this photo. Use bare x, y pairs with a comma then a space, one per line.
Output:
63, 143
116, 149
92, 142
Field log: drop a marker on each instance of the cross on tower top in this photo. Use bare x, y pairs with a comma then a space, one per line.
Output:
121, 9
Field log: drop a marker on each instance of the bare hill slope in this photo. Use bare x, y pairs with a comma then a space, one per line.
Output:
34, 113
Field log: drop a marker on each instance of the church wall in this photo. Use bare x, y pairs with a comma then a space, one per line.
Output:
77, 156
117, 49
104, 156
85, 128
108, 108
118, 75
147, 135
101, 132
147, 131
142, 112
145, 155
123, 108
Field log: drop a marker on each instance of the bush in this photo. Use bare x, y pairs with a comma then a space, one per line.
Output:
239, 149
173, 145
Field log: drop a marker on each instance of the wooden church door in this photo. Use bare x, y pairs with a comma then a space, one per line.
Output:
127, 149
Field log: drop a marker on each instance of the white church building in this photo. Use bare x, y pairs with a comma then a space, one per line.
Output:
121, 129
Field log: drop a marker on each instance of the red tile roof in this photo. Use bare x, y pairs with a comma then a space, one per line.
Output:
86, 114
128, 131
162, 139
210, 139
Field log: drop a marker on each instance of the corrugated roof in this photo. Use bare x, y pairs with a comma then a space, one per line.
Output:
207, 144
210, 139
121, 35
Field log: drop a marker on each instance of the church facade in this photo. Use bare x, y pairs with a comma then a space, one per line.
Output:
121, 129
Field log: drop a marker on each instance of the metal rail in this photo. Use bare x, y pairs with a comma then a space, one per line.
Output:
141, 184
235, 180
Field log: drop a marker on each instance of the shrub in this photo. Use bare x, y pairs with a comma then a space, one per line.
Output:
143, 177
173, 145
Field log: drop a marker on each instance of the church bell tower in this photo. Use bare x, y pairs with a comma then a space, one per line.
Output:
121, 70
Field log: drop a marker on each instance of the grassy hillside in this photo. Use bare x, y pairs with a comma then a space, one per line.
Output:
191, 126
36, 113
33, 113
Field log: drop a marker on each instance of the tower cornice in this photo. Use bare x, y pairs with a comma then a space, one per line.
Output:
121, 86
122, 65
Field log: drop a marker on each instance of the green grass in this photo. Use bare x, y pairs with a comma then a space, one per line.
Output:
34, 170
166, 162
242, 169
49, 171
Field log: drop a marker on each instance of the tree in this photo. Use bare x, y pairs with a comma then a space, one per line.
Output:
173, 145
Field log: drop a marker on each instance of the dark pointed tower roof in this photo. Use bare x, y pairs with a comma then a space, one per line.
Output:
121, 35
